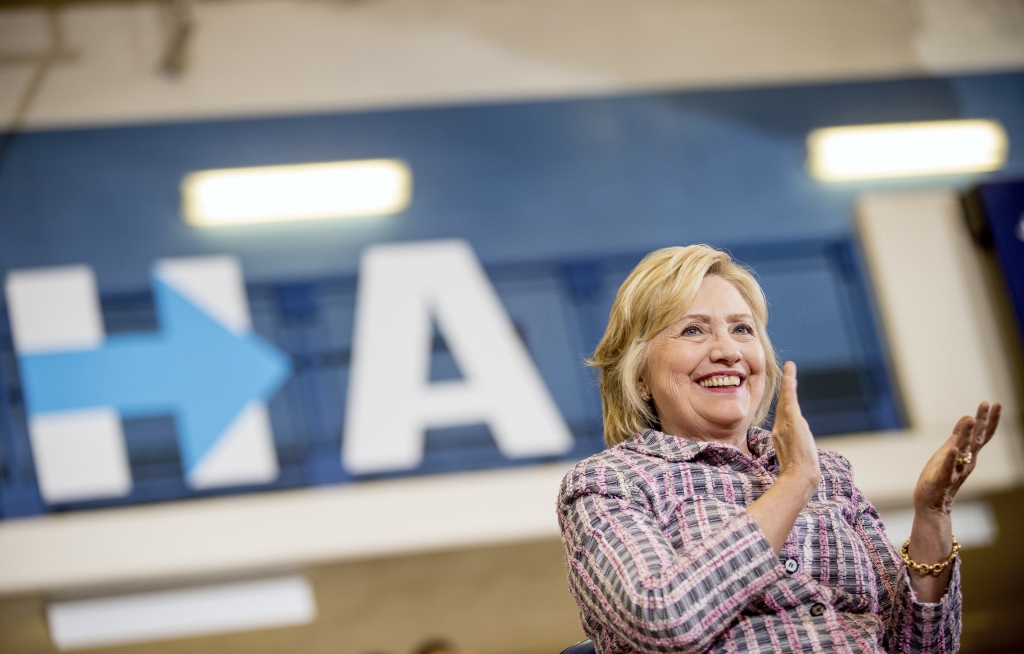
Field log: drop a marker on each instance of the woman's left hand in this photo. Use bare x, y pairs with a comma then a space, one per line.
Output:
930, 537
946, 471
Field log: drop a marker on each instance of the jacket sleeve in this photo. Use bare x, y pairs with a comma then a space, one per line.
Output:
658, 597
910, 625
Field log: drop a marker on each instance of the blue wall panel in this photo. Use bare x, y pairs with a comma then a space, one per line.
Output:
558, 198
520, 181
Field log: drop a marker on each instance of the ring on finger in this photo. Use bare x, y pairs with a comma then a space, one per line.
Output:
965, 459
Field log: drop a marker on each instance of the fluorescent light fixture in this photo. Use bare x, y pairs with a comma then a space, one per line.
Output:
946, 147
180, 613
265, 194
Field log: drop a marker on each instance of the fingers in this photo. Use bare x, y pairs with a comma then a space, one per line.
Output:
789, 378
971, 434
962, 434
993, 421
962, 439
985, 423
788, 402
980, 427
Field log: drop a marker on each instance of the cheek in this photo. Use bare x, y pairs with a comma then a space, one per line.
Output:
671, 363
754, 354
757, 362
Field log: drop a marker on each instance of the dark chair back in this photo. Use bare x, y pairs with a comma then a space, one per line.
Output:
582, 647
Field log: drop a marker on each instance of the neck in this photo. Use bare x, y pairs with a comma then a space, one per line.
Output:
734, 435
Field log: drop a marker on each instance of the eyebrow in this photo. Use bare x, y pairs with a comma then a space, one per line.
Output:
703, 317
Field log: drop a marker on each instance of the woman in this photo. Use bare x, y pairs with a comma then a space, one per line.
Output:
697, 531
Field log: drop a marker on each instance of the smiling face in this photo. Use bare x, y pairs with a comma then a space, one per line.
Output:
706, 371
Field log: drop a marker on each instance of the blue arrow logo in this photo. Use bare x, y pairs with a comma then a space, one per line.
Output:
192, 368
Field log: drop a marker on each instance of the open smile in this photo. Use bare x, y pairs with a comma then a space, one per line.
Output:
726, 380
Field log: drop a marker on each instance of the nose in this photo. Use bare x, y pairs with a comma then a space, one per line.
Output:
724, 349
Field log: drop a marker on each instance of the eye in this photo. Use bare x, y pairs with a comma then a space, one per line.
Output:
743, 328
691, 330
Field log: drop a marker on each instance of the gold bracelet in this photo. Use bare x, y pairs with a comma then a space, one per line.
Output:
925, 568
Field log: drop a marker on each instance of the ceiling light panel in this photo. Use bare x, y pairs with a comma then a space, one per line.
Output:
267, 194
946, 147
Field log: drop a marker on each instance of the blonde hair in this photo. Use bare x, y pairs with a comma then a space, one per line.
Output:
658, 291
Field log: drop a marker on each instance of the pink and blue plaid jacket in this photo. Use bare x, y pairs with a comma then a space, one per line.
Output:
662, 557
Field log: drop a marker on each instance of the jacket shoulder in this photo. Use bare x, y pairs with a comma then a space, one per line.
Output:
608, 473
837, 473
830, 458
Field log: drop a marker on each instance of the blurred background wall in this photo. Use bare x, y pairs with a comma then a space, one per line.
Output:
561, 141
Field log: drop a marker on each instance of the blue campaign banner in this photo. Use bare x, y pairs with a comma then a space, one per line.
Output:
821, 317
191, 367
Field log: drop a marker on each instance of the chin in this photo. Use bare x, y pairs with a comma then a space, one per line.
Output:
728, 418
731, 422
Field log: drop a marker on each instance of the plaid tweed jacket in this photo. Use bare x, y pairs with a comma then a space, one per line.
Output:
662, 557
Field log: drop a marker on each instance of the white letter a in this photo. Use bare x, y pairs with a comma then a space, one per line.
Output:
390, 399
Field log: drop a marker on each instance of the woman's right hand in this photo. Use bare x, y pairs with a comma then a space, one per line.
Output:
776, 511
794, 442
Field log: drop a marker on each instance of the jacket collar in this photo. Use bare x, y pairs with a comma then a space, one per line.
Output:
675, 448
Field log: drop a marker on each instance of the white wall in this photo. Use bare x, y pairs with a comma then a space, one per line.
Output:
282, 56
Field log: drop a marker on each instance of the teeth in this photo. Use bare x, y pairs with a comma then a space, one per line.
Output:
720, 380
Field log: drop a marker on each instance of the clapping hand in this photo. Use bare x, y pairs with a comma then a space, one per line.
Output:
931, 536
776, 511
794, 442
950, 466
